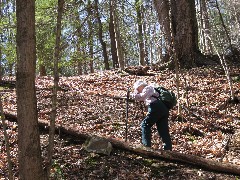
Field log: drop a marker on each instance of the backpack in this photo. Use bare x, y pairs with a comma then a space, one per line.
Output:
166, 96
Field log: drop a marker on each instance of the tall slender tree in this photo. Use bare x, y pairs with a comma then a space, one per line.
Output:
224, 26
112, 34
162, 8
100, 35
0, 43
205, 28
139, 8
30, 161
146, 32
45, 35
79, 47
90, 35
55, 86
120, 53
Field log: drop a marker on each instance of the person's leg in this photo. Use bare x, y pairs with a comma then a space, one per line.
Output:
146, 126
163, 130
146, 132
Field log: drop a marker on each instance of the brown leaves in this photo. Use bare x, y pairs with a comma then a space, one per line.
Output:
85, 103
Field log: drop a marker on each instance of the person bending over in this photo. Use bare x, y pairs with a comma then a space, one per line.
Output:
158, 114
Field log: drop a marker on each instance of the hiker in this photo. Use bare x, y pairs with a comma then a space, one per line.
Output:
158, 113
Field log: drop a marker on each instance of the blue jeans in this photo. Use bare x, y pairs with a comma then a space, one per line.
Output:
158, 114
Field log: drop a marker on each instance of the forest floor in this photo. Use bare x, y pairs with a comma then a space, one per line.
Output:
87, 103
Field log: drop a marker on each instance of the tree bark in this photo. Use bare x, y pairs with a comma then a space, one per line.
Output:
224, 26
112, 36
146, 35
42, 70
207, 46
140, 33
100, 35
81, 57
1, 71
185, 31
90, 36
0, 44
174, 55
30, 162
79, 68
120, 53
162, 8
85, 61
237, 15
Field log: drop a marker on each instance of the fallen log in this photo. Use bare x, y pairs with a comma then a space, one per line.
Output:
207, 164
139, 70
8, 84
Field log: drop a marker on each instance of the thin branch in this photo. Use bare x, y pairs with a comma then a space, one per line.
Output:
225, 67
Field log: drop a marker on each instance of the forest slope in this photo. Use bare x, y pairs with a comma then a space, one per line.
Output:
87, 103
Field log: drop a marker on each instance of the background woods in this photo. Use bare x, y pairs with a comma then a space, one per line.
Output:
53, 57
101, 35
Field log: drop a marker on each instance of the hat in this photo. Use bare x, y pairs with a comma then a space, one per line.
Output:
139, 83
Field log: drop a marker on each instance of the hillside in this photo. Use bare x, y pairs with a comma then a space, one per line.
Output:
95, 104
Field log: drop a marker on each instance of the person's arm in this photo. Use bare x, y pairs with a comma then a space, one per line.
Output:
146, 93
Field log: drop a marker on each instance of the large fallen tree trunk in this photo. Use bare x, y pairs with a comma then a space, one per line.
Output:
207, 164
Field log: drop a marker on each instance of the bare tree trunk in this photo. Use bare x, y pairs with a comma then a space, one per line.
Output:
30, 161
151, 54
10, 173
55, 86
118, 37
1, 72
185, 31
91, 61
100, 35
162, 8
176, 62
79, 67
237, 15
154, 54
160, 54
0, 44
80, 49
84, 62
202, 44
205, 27
42, 70
112, 36
140, 33
146, 34
11, 69
224, 26
90, 36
